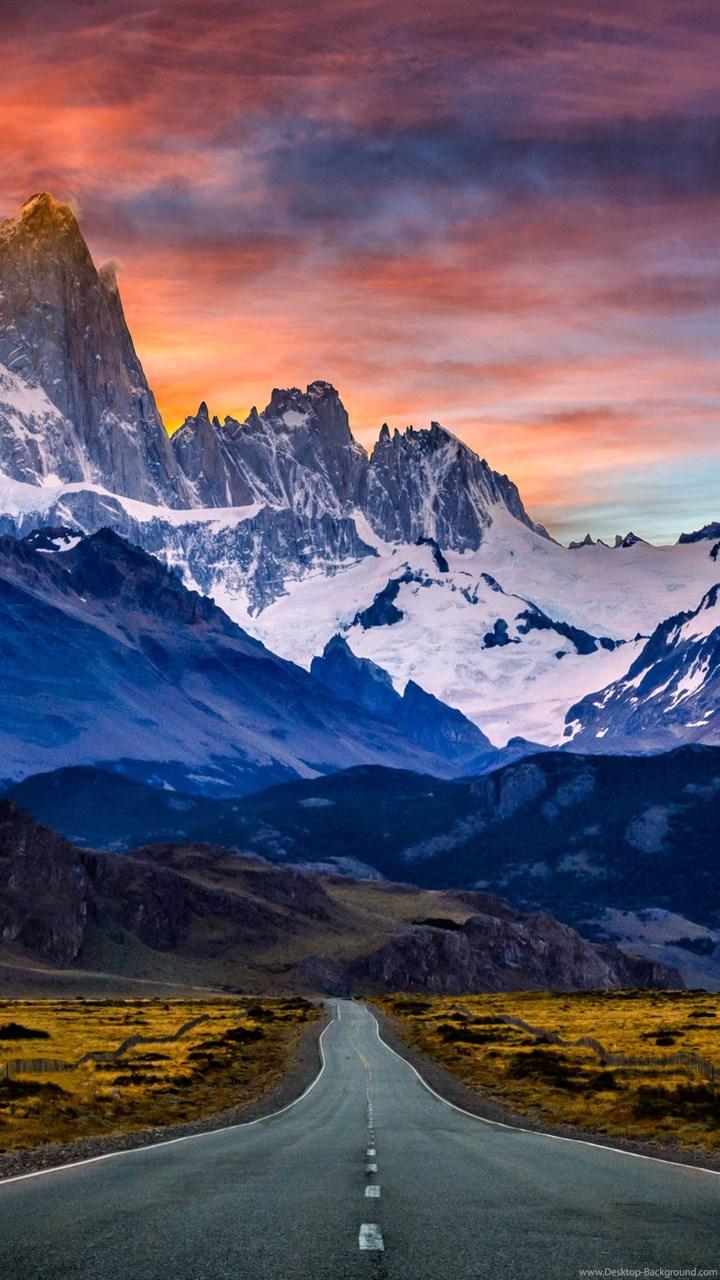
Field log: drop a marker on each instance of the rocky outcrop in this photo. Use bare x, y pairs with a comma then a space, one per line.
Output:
442, 729
44, 891
507, 953
54, 895
76, 402
298, 453
356, 679
217, 478
427, 484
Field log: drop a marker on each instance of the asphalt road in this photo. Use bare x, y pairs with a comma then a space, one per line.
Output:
368, 1175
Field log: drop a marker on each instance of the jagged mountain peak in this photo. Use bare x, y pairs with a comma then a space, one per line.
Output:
416, 439
628, 539
423, 718
708, 531
42, 216
318, 408
63, 332
426, 483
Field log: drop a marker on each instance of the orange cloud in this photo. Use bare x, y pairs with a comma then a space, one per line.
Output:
504, 218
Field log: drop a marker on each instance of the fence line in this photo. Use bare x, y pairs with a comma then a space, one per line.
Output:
691, 1061
46, 1066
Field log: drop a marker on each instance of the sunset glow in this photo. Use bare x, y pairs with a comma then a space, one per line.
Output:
456, 211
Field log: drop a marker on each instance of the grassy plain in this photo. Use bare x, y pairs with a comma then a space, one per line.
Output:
562, 1085
229, 1060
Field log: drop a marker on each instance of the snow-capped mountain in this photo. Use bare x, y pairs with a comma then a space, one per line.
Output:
299, 453
420, 556
427, 484
63, 332
512, 634
670, 694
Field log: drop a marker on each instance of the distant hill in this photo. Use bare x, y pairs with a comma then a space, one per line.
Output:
191, 914
588, 838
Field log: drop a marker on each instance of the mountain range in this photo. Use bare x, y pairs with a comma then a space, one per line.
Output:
257, 633
419, 556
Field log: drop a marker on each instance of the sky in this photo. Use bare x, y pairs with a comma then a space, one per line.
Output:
500, 214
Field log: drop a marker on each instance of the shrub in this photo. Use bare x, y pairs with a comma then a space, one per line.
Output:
452, 1034
11, 1087
260, 1013
412, 1006
662, 1035
136, 1077
546, 1065
601, 1082
689, 1101
16, 1031
243, 1035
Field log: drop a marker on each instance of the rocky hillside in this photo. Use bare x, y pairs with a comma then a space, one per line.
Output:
574, 835
197, 913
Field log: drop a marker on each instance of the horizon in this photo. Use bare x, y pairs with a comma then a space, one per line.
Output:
507, 225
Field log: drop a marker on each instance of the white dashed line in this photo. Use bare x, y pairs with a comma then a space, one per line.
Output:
370, 1151
372, 1191
371, 1168
370, 1236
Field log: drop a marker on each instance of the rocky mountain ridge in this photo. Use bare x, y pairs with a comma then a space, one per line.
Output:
417, 714
620, 847
63, 333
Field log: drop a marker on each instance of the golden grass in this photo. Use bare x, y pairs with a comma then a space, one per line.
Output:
231, 1059
561, 1085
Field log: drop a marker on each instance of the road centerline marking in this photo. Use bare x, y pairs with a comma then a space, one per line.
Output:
370, 1236
372, 1191
371, 1168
